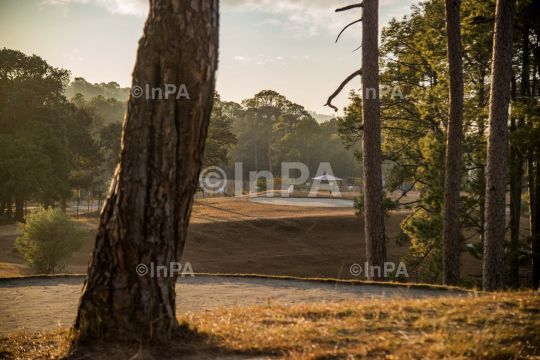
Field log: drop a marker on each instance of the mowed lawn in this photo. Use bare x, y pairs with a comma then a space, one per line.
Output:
233, 235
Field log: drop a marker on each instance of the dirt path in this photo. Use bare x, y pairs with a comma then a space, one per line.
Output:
46, 303
304, 202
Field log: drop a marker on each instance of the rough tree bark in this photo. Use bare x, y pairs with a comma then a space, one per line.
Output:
451, 232
373, 192
501, 73
145, 218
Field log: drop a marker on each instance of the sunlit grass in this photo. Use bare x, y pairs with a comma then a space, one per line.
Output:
492, 326
495, 326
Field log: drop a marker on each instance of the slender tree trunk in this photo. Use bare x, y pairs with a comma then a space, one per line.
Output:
47, 203
19, 209
63, 205
515, 201
3, 207
516, 168
534, 198
481, 175
451, 232
146, 215
501, 74
532, 191
269, 150
256, 158
9, 211
536, 229
373, 195
534, 216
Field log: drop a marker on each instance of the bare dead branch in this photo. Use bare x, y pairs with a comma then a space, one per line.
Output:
349, 7
357, 48
336, 93
354, 22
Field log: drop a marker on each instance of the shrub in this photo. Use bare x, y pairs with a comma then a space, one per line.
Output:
50, 237
261, 183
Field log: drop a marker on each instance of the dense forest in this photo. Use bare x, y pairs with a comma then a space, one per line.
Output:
413, 54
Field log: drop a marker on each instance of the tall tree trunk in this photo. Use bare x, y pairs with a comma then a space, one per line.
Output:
373, 194
47, 203
269, 153
9, 211
256, 158
63, 205
534, 195
536, 230
532, 191
19, 209
534, 209
481, 174
516, 168
451, 232
2, 207
501, 73
515, 201
146, 215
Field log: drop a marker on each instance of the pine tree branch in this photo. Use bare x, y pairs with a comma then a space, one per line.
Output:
336, 93
354, 22
481, 19
349, 7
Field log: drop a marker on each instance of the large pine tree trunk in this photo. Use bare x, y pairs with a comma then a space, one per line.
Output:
501, 74
451, 233
146, 215
373, 193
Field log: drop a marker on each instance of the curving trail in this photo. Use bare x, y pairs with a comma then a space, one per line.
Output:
44, 303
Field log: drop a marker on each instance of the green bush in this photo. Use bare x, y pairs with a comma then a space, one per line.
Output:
50, 237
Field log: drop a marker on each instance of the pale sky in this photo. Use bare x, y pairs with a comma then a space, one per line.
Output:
283, 45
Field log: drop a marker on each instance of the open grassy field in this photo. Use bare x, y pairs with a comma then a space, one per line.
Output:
489, 326
233, 235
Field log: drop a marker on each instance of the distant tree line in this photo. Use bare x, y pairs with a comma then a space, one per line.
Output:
57, 135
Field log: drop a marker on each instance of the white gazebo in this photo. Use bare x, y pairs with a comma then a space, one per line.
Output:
327, 177
331, 181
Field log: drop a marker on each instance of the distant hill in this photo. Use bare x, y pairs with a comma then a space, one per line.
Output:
320, 117
89, 90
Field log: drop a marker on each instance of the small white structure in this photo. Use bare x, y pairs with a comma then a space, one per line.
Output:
331, 182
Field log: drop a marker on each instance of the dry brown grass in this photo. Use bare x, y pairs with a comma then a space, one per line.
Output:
493, 326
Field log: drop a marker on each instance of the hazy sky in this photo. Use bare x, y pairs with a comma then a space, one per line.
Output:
284, 45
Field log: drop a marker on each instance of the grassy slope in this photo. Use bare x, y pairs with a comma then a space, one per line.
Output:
494, 326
